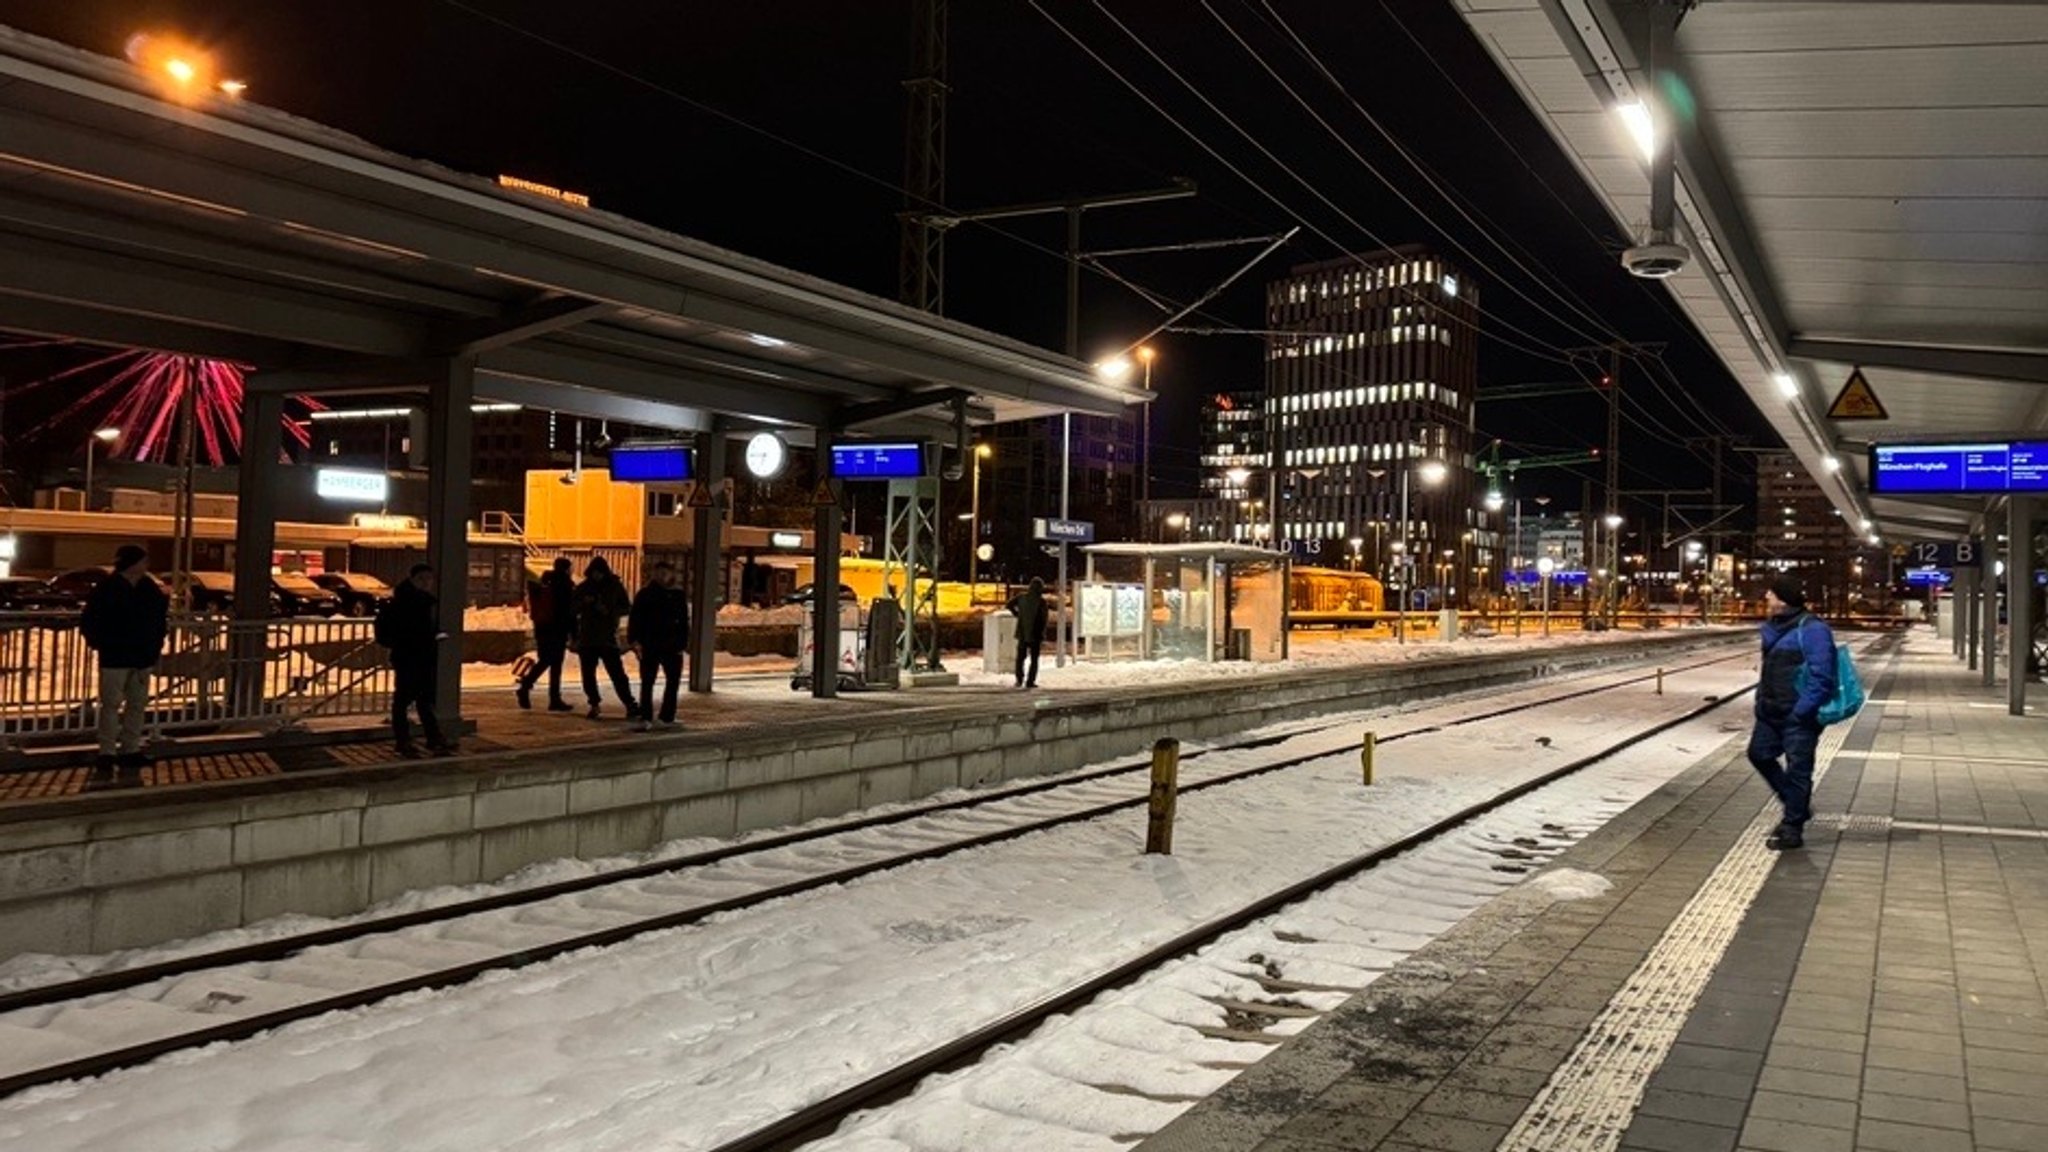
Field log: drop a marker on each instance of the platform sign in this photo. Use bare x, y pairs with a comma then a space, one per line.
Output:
651, 463
1982, 469
877, 461
1063, 531
1946, 553
1939, 577
1857, 400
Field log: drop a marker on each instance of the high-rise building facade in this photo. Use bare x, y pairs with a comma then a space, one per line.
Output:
1799, 530
1371, 371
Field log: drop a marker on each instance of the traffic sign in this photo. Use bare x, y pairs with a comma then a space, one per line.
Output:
824, 496
1857, 400
1063, 531
700, 495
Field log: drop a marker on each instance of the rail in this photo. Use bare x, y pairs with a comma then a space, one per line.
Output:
215, 673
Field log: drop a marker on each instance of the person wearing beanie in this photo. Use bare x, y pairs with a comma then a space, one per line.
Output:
126, 620
1787, 730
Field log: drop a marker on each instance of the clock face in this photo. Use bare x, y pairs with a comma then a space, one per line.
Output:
766, 454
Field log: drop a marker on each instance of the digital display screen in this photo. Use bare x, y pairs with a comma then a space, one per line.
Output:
651, 463
1940, 577
1959, 469
878, 461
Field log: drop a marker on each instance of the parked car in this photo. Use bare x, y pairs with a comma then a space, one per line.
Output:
213, 591
75, 587
28, 594
361, 593
803, 594
298, 595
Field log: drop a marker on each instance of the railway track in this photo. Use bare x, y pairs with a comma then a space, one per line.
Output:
116, 1019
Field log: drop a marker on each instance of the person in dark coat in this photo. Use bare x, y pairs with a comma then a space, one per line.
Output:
551, 604
126, 620
1032, 615
410, 627
599, 603
1795, 641
659, 631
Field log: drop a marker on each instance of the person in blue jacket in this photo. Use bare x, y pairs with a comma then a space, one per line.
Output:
1787, 710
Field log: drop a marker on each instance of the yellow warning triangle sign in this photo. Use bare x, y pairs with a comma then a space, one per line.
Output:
1857, 400
824, 497
700, 495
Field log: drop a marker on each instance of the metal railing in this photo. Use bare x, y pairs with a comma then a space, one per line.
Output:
261, 675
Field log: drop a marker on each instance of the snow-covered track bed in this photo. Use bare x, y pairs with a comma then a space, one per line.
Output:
127, 1016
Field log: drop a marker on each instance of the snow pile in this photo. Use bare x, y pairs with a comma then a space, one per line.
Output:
1572, 884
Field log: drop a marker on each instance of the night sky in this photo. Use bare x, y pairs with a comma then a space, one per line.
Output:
622, 100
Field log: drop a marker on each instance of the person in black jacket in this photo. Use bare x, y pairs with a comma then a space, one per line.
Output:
599, 602
1797, 676
410, 626
659, 630
551, 603
1032, 615
126, 620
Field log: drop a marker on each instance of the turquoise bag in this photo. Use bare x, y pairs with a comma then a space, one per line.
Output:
1848, 697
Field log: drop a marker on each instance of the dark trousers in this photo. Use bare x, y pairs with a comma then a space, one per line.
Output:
670, 665
553, 649
415, 676
1794, 741
614, 665
1028, 648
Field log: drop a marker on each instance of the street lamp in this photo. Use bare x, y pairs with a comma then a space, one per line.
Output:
1609, 602
1146, 355
1432, 472
981, 452
1178, 521
1357, 543
1544, 567
105, 436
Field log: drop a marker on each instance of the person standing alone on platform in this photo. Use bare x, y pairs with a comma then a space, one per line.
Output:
410, 627
659, 630
126, 620
1787, 730
600, 601
1030, 609
551, 603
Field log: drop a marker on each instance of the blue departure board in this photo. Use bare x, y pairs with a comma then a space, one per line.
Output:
1959, 469
901, 461
651, 463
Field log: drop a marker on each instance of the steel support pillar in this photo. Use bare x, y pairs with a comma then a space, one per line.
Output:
449, 455
1987, 608
2019, 599
707, 558
255, 541
910, 561
1969, 615
825, 522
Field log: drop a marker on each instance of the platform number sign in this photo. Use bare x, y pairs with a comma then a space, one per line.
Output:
1948, 553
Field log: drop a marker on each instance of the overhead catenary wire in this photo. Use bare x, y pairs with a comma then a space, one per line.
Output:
1542, 351
1604, 330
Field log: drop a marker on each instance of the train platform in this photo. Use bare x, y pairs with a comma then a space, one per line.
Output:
1882, 989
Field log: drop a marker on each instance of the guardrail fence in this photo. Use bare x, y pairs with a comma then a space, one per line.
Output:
261, 675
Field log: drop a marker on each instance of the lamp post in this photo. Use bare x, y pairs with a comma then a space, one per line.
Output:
1544, 567
1357, 543
981, 452
1432, 472
1237, 478
105, 436
1146, 355
1608, 600
1178, 521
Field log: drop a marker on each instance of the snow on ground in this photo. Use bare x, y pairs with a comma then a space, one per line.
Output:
1572, 884
687, 1038
1306, 651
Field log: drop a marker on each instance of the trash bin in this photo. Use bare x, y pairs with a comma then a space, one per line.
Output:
999, 641
1447, 623
1240, 645
885, 628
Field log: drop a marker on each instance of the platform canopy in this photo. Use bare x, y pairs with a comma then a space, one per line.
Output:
1862, 185
229, 230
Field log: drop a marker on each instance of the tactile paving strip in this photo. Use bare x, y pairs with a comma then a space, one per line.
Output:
1589, 1101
